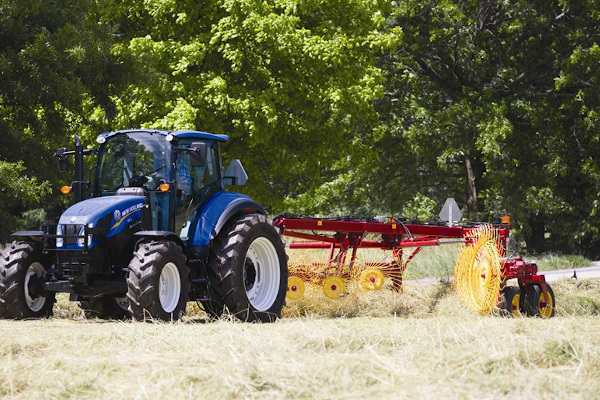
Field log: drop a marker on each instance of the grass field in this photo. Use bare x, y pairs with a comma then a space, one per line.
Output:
418, 344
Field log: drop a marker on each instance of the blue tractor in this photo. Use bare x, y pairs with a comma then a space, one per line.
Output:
156, 230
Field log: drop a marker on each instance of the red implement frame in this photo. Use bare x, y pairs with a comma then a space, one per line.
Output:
343, 238
526, 273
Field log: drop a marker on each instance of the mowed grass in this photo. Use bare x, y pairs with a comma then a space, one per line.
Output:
417, 344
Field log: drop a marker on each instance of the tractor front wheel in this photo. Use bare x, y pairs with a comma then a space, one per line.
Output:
158, 281
22, 274
248, 269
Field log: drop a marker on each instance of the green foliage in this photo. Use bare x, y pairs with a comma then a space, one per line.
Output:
56, 74
291, 82
507, 92
17, 190
366, 107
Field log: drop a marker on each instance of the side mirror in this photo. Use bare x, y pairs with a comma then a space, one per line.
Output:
63, 160
235, 174
198, 154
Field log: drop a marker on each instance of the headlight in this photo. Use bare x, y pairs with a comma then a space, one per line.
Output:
81, 240
60, 242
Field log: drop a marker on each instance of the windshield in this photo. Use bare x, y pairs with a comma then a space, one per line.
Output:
140, 159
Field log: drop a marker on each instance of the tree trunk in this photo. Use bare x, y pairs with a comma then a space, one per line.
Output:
536, 241
471, 191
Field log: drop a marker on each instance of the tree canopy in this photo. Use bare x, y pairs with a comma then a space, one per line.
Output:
335, 107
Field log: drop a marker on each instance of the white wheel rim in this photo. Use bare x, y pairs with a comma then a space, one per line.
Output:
36, 304
169, 287
261, 274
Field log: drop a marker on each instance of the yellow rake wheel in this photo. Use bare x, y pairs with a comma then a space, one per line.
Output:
477, 271
334, 287
371, 279
296, 288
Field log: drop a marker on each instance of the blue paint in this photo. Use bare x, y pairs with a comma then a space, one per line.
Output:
122, 211
208, 218
177, 134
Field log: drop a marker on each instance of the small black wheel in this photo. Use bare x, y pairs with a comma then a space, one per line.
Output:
536, 304
105, 307
510, 301
248, 269
158, 282
22, 273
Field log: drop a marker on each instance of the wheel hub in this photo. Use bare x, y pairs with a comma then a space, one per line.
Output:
250, 274
261, 274
34, 287
169, 287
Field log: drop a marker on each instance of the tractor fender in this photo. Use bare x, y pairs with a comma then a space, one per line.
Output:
32, 235
28, 233
166, 235
217, 211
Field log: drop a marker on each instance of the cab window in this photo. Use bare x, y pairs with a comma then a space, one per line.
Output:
194, 184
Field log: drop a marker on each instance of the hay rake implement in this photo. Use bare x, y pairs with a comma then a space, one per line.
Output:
482, 270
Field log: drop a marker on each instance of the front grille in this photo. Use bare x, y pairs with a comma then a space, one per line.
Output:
70, 232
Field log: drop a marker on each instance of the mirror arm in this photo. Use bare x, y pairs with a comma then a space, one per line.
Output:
71, 152
179, 149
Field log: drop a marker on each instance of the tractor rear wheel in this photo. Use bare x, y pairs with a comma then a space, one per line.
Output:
105, 307
22, 273
158, 281
536, 304
248, 269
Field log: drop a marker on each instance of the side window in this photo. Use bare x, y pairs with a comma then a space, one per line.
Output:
212, 166
194, 184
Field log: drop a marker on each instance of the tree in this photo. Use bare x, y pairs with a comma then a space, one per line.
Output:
56, 76
486, 97
291, 82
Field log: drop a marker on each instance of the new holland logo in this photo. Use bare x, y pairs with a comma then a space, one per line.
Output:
120, 216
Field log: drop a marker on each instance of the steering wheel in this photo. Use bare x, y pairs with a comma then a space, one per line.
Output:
142, 178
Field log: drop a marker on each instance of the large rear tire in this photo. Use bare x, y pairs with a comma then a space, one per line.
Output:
248, 269
105, 307
158, 282
22, 272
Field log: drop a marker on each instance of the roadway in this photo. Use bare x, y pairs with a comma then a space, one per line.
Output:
592, 272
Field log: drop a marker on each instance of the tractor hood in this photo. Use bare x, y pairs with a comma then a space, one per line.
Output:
91, 211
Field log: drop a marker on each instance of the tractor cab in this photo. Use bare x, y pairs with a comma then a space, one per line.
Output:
175, 172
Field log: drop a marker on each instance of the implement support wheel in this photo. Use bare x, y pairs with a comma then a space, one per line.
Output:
536, 304
510, 302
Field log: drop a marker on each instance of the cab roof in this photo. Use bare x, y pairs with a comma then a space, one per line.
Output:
176, 134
